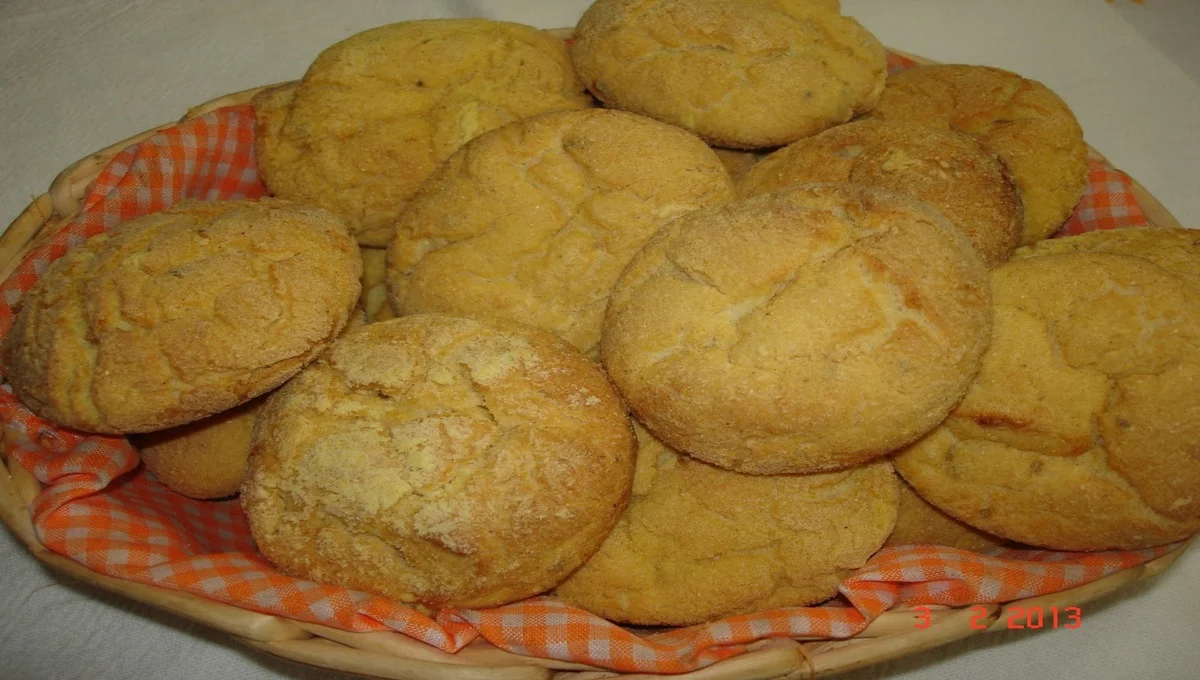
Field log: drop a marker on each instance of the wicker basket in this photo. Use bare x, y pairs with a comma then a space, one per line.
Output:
392, 655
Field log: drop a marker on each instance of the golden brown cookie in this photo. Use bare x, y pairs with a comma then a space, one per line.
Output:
743, 74
1081, 430
178, 315
534, 221
377, 112
948, 170
1176, 250
374, 300
737, 163
204, 459
443, 460
920, 522
698, 543
810, 329
1026, 124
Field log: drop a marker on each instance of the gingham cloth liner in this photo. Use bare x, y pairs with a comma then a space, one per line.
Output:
125, 524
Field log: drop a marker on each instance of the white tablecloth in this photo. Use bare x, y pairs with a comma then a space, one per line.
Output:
78, 76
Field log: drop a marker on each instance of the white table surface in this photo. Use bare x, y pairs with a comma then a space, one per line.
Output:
78, 76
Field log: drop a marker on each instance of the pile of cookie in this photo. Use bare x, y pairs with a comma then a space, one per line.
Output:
649, 321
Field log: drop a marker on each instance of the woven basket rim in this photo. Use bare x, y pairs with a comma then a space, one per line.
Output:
393, 655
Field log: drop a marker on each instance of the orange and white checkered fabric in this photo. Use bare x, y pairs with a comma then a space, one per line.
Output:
100, 508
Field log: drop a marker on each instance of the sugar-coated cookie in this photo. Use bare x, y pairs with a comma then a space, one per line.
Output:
449, 461
1022, 120
918, 521
948, 170
743, 74
1176, 250
182, 314
1080, 432
535, 221
698, 542
205, 459
377, 112
809, 329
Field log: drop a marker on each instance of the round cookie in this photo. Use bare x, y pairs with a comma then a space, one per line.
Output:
464, 462
946, 169
1176, 250
535, 221
809, 329
181, 314
1080, 432
698, 543
1025, 123
204, 459
377, 112
920, 522
743, 74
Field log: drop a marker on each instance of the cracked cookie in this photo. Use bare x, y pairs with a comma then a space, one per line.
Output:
534, 222
207, 458
743, 74
1024, 122
948, 170
377, 112
453, 462
181, 314
1081, 431
1176, 250
698, 542
810, 329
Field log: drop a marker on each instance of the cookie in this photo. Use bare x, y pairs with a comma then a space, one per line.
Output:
179, 315
737, 163
377, 112
374, 300
920, 522
1024, 122
205, 459
1080, 432
448, 461
698, 543
743, 74
948, 170
805, 330
1176, 250
534, 221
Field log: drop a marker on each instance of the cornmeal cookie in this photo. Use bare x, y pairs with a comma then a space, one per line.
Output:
698, 543
743, 74
178, 315
377, 112
809, 329
1080, 432
374, 300
948, 170
204, 459
737, 163
534, 221
450, 461
920, 522
1176, 250
1026, 124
